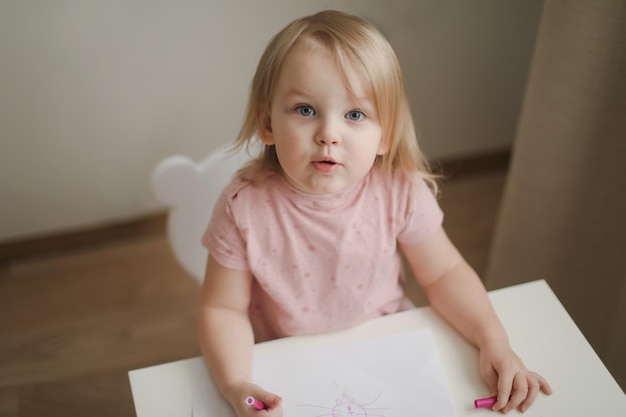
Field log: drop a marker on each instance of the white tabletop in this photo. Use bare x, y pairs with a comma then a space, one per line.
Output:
540, 329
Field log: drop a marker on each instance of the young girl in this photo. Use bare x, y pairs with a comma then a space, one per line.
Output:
306, 238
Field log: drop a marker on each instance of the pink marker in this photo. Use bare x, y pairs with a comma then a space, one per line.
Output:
485, 402
253, 402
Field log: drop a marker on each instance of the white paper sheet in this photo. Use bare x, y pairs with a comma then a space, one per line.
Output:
398, 375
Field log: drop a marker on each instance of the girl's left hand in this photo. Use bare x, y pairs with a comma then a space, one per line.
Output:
508, 378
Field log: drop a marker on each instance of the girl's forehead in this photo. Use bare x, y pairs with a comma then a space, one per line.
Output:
310, 60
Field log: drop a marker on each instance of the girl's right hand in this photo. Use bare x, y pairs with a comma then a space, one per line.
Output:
238, 395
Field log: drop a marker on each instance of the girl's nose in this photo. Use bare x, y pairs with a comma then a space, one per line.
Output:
327, 134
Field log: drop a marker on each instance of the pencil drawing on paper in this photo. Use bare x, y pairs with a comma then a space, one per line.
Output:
346, 406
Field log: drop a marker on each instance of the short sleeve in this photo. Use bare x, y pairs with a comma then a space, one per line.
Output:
223, 237
420, 211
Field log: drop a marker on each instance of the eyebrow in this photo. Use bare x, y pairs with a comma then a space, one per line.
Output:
366, 101
296, 92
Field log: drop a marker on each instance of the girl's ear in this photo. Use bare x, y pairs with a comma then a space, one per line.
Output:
265, 130
383, 147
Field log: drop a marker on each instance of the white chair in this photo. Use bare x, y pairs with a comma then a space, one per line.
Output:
189, 190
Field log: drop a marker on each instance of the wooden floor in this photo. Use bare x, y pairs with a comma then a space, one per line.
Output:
73, 323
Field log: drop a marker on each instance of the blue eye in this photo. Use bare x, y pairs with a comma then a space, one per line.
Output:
355, 115
305, 110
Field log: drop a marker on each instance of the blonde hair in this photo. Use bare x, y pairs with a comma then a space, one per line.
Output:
356, 44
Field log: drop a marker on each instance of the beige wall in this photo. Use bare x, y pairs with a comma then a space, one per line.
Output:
94, 93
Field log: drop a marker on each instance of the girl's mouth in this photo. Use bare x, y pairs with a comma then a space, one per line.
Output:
325, 165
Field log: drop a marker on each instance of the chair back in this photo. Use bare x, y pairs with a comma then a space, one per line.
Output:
189, 190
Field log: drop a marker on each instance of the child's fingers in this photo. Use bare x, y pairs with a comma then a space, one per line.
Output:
519, 392
505, 384
543, 384
533, 390
271, 400
536, 383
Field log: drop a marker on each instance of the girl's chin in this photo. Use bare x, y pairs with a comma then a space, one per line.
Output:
321, 189
319, 183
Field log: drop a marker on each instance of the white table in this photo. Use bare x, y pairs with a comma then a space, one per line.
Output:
540, 329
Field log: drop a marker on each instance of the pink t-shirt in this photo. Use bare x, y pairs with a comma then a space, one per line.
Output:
320, 262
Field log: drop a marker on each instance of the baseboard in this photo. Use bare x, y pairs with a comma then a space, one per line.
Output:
469, 165
153, 224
